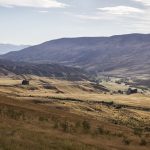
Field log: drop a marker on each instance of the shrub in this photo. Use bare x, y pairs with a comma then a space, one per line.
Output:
65, 126
126, 141
119, 134
78, 124
41, 118
100, 130
86, 125
137, 131
56, 125
143, 142
13, 114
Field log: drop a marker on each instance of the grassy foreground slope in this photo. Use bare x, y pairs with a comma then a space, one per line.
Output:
52, 114
29, 125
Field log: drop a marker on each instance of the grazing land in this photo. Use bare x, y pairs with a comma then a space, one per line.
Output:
72, 115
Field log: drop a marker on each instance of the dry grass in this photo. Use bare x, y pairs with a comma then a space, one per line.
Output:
67, 89
25, 125
68, 116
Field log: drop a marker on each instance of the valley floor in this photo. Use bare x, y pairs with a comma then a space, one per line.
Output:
52, 114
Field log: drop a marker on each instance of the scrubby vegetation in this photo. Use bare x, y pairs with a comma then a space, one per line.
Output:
64, 115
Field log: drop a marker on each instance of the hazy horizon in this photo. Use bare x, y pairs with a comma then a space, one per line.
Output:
22, 44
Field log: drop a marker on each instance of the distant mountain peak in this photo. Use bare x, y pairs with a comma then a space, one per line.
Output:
5, 48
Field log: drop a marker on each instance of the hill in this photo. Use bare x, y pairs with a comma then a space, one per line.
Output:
34, 121
121, 54
46, 70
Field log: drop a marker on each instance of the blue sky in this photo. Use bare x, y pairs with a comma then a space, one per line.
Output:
36, 21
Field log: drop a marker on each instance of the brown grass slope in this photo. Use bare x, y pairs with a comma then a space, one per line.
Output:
71, 115
61, 125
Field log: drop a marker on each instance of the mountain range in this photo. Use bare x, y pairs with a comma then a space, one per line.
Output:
120, 54
5, 48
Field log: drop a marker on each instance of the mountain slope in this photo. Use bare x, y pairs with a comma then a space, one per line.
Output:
125, 53
5, 48
46, 70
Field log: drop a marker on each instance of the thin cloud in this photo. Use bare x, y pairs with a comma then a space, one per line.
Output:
32, 3
97, 16
144, 2
43, 11
111, 13
120, 10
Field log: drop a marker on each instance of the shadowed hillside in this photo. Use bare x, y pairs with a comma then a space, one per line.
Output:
117, 54
47, 70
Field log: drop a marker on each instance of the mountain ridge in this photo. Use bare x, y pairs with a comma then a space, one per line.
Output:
129, 52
